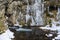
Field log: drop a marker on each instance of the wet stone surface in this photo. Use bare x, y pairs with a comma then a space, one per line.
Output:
35, 34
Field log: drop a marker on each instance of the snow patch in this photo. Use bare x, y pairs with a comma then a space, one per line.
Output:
7, 35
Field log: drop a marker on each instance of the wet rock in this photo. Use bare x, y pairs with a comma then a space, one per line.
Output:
13, 11
35, 34
35, 9
3, 27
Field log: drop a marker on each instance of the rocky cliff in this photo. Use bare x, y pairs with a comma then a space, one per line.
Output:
24, 12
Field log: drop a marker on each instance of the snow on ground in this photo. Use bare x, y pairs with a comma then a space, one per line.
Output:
51, 28
58, 37
7, 35
54, 27
49, 35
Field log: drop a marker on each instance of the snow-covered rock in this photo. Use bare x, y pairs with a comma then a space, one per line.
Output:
49, 35
7, 35
58, 37
54, 27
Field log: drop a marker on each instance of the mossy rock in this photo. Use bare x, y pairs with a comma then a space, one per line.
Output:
22, 23
2, 27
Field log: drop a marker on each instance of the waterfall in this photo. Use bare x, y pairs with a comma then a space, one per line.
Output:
34, 12
38, 9
27, 12
38, 12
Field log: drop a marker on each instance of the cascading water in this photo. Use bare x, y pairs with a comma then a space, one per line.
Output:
27, 14
38, 10
34, 14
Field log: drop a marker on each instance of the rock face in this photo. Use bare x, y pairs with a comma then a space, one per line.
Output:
2, 17
15, 11
24, 12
